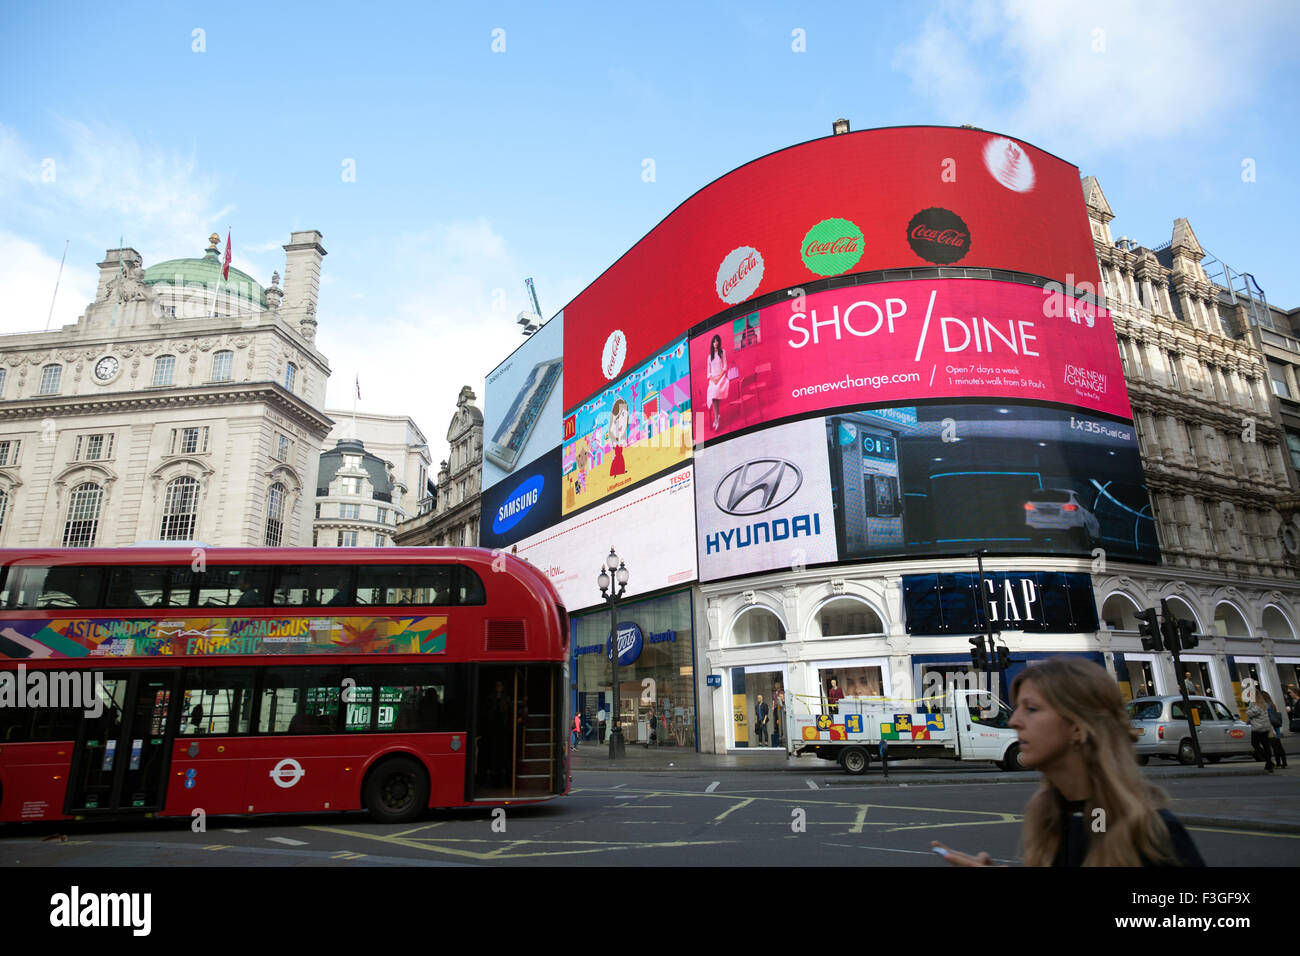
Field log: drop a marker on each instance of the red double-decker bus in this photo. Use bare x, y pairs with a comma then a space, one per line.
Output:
166, 680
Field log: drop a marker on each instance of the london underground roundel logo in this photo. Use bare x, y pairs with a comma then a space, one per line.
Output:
287, 772
611, 359
832, 246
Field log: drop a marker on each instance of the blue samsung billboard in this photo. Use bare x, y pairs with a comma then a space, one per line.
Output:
523, 504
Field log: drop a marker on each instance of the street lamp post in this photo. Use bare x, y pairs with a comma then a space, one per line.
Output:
614, 573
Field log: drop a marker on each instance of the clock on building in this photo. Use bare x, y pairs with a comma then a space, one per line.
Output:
106, 368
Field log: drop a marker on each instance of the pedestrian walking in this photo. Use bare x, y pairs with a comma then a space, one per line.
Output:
577, 729
1072, 727
760, 721
1275, 738
1260, 730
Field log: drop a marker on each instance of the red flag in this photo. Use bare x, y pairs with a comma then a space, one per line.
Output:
225, 265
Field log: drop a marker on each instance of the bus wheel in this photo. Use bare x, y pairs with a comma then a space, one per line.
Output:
854, 760
396, 791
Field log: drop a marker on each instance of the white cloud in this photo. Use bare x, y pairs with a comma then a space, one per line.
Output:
1072, 77
27, 276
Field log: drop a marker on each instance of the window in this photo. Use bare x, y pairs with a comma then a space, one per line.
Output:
83, 516
190, 441
223, 364
381, 515
300, 700
347, 539
164, 368
50, 376
4, 373
349, 511
179, 509
93, 447
1172, 359
352, 462
217, 701
380, 540
235, 586
1293, 443
322, 586
282, 446
410, 698
351, 486
275, 515
4, 508
9, 452
290, 374
848, 616
757, 625
1278, 374
389, 584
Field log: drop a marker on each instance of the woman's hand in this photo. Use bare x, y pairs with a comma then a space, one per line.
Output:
962, 859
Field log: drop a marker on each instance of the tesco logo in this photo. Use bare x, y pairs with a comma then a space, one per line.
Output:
517, 506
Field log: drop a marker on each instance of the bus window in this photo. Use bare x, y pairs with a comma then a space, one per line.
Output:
137, 587
217, 701
470, 587
235, 587
180, 590
412, 698
300, 700
397, 584
314, 586
63, 587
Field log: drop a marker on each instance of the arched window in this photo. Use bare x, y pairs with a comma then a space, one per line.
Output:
290, 375
1119, 613
83, 515
847, 616
1275, 623
1229, 622
275, 499
4, 508
223, 364
179, 509
757, 625
164, 369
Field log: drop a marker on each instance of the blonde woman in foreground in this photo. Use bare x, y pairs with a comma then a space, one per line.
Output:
1073, 728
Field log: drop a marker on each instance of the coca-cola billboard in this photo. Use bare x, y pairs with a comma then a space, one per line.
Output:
938, 236
831, 207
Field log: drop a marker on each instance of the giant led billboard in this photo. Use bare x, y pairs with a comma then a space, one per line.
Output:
521, 410
632, 430
523, 504
907, 197
909, 341
903, 481
652, 528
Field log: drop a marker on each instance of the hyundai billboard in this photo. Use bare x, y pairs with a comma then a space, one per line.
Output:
906, 341
652, 528
522, 405
906, 197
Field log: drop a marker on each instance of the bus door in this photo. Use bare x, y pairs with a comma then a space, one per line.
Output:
121, 756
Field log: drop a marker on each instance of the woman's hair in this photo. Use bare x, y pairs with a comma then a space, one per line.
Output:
1263, 695
620, 407
1085, 695
715, 347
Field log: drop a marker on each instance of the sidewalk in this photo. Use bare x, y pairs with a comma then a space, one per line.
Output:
1274, 815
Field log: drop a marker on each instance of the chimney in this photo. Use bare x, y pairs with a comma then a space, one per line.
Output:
302, 258
115, 260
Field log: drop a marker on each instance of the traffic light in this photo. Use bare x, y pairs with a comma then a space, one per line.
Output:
979, 655
1187, 635
1149, 628
1004, 658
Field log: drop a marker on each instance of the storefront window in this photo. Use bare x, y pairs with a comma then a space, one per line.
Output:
1137, 679
1195, 679
846, 616
656, 672
758, 703
1242, 673
757, 625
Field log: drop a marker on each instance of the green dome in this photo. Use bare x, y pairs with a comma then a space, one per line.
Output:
206, 271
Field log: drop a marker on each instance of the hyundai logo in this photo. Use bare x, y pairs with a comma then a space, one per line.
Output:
757, 486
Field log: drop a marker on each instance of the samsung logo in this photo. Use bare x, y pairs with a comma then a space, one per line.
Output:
518, 505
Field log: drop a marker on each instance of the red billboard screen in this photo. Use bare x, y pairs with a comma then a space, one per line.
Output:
891, 342
908, 197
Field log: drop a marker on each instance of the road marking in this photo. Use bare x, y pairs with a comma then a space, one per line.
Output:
427, 826
723, 815
857, 824
1263, 833
811, 785
619, 785
346, 855
236, 831
218, 846
890, 849
496, 853
286, 841
713, 786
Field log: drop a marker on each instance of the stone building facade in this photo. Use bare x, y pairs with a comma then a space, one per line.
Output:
1214, 454
451, 515
180, 406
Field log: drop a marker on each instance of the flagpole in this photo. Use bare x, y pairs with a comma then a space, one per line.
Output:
356, 393
50, 317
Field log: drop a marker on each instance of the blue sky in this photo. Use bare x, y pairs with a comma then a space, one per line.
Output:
476, 168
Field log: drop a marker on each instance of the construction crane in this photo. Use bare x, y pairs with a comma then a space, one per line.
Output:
531, 321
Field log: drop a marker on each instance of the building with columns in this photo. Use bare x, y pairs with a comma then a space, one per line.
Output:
180, 406
1213, 446
450, 516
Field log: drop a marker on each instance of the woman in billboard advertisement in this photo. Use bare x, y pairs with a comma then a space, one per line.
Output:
618, 423
719, 384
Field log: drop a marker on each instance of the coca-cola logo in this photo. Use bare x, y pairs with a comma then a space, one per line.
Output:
938, 235
832, 247
740, 274
1009, 164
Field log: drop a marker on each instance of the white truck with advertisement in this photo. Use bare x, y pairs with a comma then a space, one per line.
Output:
962, 724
